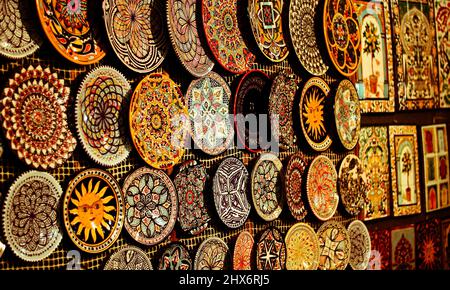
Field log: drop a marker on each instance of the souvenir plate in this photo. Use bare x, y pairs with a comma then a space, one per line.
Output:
403, 248
334, 244
429, 246
211, 255
271, 250
175, 257
360, 245
293, 185
302, 247
93, 210
243, 251
34, 118
129, 258
352, 184
30, 216
380, 255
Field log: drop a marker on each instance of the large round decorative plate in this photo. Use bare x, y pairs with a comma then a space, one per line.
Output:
302, 27
347, 114
224, 38
211, 255
302, 247
230, 194
334, 244
175, 257
266, 186
312, 113
182, 22
321, 188
34, 118
67, 27
293, 185
136, 32
129, 258
271, 250
360, 245
352, 184
266, 22
101, 99
208, 102
342, 35
157, 121
243, 251
30, 216
93, 210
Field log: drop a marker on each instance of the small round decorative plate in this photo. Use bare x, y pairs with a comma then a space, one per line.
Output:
208, 102
352, 184
30, 216
271, 250
230, 194
302, 247
342, 35
93, 210
293, 185
190, 184
129, 258
157, 121
266, 186
100, 104
360, 245
312, 113
34, 118
224, 38
211, 255
243, 251
67, 27
182, 22
136, 32
175, 257
266, 22
302, 27
334, 244
151, 205
321, 188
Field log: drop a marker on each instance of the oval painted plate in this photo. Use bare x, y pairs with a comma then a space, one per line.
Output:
352, 184
151, 205
334, 244
321, 188
294, 178
302, 246
93, 210
271, 250
211, 255
129, 258
243, 251
157, 121
175, 257
30, 216
360, 245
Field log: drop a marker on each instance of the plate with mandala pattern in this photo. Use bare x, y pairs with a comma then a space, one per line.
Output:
360, 245
211, 255
334, 244
271, 250
129, 258
352, 184
302, 246
175, 257
243, 251
294, 178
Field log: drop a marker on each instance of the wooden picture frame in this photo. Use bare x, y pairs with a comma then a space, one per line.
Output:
442, 10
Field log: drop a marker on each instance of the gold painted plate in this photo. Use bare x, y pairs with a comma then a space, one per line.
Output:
302, 246
129, 258
211, 255
334, 244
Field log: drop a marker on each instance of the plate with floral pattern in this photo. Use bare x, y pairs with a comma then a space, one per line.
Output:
243, 251
129, 258
352, 184
294, 180
175, 257
211, 255
335, 247
271, 250
360, 245
302, 247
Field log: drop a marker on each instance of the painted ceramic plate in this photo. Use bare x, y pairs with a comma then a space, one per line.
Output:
175, 257
230, 194
129, 258
334, 244
271, 250
312, 113
30, 216
360, 245
157, 121
136, 32
321, 188
243, 251
352, 184
93, 210
224, 38
151, 205
67, 27
34, 118
100, 104
211, 255
208, 103
294, 178
302, 247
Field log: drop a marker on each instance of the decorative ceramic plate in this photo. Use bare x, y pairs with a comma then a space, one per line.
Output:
211, 255
93, 210
302, 26
342, 35
302, 247
175, 257
266, 22
321, 188
100, 104
293, 185
30, 216
129, 258
352, 184
266, 186
34, 118
347, 114
224, 38
136, 32
360, 245
67, 27
157, 121
312, 113
208, 103
243, 251
230, 194
151, 205
334, 244
182, 22
271, 250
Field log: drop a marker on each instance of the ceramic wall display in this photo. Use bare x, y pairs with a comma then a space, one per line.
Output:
158, 121
380, 255
352, 184
442, 10
334, 245
129, 258
294, 180
403, 250
175, 257
243, 250
302, 246
224, 38
271, 250
428, 245
136, 33
404, 170
360, 245
211, 255
68, 28
93, 210
34, 118
30, 216
446, 244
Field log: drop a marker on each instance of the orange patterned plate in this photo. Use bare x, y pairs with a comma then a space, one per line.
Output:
302, 247
243, 251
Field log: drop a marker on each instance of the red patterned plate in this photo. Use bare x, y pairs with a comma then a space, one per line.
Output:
211, 255
352, 184
335, 247
294, 178
243, 251
271, 250
175, 257
360, 245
